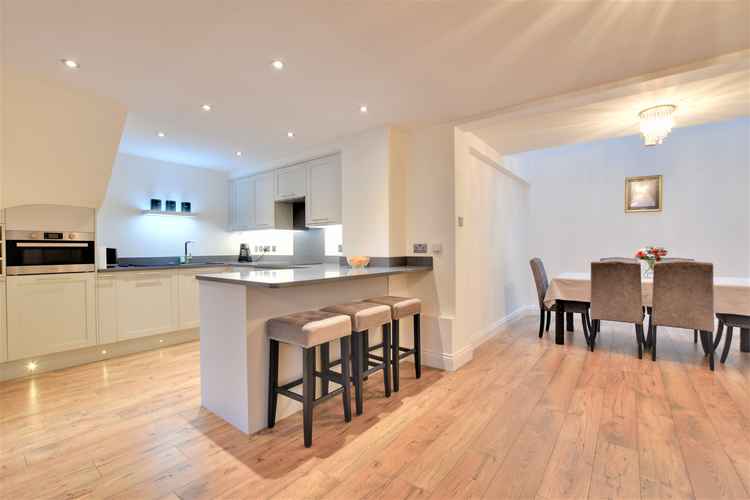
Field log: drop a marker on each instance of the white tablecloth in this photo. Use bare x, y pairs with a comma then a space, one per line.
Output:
731, 295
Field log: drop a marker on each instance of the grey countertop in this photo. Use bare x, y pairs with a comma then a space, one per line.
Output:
194, 265
308, 275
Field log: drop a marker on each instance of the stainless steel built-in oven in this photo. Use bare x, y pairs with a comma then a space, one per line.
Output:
48, 252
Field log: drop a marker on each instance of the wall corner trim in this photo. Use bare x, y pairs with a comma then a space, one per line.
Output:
497, 165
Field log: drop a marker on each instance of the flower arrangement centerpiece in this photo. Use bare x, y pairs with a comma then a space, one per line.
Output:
650, 255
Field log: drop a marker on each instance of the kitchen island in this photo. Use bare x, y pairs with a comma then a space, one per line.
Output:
234, 308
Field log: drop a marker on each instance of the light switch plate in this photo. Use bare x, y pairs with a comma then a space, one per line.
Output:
420, 247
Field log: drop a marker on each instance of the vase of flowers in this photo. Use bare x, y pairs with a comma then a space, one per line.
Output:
648, 257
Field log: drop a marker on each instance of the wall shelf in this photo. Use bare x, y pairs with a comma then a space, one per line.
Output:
171, 214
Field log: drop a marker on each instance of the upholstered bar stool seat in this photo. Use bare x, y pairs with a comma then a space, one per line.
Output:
402, 307
308, 330
364, 316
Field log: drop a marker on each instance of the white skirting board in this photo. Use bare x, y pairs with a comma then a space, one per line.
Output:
58, 361
454, 361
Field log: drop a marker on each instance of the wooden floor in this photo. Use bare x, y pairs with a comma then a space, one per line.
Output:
526, 418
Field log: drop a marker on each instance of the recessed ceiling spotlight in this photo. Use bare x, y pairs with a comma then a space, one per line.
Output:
278, 64
238, 153
69, 63
363, 109
161, 134
206, 107
290, 134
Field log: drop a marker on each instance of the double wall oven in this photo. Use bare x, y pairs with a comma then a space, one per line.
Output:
48, 252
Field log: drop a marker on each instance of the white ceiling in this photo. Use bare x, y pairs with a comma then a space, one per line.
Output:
411, 62
699, 99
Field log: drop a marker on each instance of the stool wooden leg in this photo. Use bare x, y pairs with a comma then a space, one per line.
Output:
308, 392
365, 352
417, 346
347, 396
273, 380
395, 355
387, 359
357, 369
325, 367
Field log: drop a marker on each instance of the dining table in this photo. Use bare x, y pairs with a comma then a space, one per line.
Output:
731, 296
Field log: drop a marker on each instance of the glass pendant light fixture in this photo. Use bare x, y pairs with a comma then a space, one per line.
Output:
656, 123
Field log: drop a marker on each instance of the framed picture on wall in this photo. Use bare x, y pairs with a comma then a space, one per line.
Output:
643, 194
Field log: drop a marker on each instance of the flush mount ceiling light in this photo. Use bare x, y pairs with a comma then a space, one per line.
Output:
656, 123
363, 109
238, 153
278, 64
206, 107
161, 134
290, 134
69, 63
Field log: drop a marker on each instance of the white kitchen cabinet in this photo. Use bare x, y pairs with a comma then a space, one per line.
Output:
265, 201
146, 304
291, 182
50, 313
242, 204
106, 305
323, 201
3, 329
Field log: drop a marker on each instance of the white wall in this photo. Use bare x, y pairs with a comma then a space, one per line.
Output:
135, 181
492, 276
577, 205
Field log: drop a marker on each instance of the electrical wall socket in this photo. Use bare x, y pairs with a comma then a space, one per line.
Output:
420, 247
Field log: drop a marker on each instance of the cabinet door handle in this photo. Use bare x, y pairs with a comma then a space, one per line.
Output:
322, 219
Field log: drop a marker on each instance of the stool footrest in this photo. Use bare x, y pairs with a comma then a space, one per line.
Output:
405, 349
407, 353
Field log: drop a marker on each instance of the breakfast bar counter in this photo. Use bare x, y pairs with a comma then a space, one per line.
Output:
234, 308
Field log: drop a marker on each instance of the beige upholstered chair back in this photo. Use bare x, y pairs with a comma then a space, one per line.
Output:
540, 279
616, 291
684, 295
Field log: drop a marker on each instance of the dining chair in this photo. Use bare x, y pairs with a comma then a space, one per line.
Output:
684, 298
677, 259
730, 321
616, 296
542, 283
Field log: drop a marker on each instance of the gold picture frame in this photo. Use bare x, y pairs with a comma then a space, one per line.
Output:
644, 194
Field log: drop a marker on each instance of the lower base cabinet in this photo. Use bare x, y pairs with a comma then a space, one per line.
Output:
50, 313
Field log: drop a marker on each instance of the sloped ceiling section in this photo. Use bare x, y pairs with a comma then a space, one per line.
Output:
59, 143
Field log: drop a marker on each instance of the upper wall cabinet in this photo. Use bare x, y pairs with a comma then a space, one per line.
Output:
264, 201
291, 182
254, 202
323, 201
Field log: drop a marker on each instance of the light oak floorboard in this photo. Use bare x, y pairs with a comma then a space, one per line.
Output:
525, 418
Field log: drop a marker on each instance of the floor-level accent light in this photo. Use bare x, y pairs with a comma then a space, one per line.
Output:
656, 123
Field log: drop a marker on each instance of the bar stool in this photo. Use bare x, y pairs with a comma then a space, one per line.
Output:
403, 307
308, 330
365, 316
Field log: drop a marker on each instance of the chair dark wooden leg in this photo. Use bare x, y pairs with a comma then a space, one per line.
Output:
654, 329
418, 345
387, 359
727, 344
707, 339
586, 335
395, 359
549, 318
719, 334
695, 336
639, 339
325, 367
541, 323
357, 370
345, 378
569, 322
744, 339
308, 392
703, 344
273, 380
649, 329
